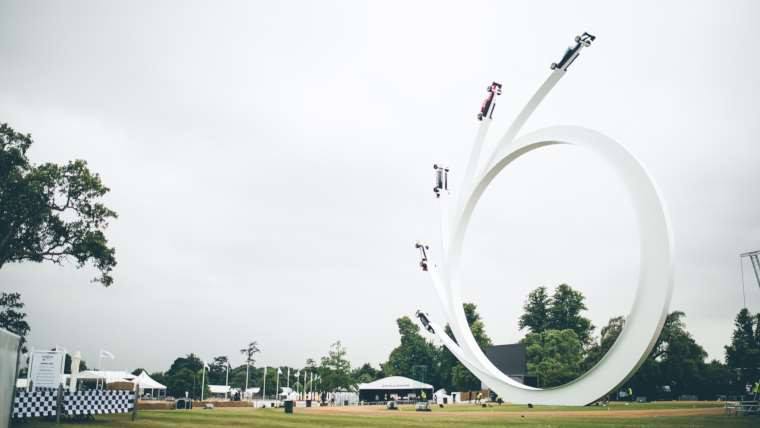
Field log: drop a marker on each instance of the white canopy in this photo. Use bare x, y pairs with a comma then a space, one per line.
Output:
147, 382
108, 375
219, 389
395, 383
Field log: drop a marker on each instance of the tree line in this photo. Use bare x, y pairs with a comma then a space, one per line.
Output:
52, 212
560, 346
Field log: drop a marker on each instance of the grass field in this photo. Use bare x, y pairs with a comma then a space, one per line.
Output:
669, 414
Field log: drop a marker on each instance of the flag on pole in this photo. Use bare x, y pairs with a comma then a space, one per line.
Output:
106, 354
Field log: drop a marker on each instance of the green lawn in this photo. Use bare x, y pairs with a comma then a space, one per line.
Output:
613, 406
506, 415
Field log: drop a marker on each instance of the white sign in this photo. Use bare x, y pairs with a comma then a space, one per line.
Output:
47, 367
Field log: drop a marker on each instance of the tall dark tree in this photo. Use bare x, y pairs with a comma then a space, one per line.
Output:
535, 315
51, 212
560, 311
565, 313
249, 352
12, 316
366, 373
451, 374
217, 370
554, 356
335, 369
414, 350
190, 362
185, 374
607, 337
743, 353
676, 365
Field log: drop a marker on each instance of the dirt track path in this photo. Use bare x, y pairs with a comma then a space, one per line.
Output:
366, 410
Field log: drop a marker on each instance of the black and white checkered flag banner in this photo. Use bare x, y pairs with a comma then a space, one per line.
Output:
97, 402
40, 403
34, 404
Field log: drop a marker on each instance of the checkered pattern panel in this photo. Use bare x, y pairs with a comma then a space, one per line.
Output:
98, 402
34, 404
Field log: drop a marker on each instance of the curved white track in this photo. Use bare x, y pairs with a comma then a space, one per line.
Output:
655, 287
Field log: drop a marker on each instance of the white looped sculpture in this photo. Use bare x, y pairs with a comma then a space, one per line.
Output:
650, 305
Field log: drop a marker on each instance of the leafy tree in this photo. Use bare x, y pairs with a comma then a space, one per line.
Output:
366, 373
138, 370
186, 374
217, 370
554, 356
559, 312
743, 353
12, 316
452, 375
607, 338
335, 369
536, 311
564, 313
249, 352
675, 365
51, 212
413, 351
181, 381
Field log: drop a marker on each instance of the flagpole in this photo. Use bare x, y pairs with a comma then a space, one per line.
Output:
264, 394
203, 379
277, 389
246, 377
288, 386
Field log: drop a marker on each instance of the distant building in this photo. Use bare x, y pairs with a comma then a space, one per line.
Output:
512, 361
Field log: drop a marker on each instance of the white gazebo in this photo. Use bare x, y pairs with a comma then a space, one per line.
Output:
399, 387
146, 382
219, 390
106, 376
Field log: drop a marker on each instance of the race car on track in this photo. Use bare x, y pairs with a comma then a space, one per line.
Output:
425, 320
573, 51
423, 255
486, 110
441, 180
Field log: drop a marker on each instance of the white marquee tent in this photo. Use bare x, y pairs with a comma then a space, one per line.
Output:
146, 382
398, 386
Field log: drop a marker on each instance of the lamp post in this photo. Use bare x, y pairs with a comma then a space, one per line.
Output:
203, 379
264, 392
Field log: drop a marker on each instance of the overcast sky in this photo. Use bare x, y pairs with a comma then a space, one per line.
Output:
271, 164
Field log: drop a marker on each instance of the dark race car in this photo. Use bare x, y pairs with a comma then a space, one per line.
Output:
423, 255
425, 320
486, 110
573, 51
441, 180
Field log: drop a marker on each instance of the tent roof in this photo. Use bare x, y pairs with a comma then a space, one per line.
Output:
219, 389
147, 382
108, 375
395, 382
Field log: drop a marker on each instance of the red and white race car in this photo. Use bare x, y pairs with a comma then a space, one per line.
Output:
486, 110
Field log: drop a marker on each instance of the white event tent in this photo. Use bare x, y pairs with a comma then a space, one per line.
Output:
146, 382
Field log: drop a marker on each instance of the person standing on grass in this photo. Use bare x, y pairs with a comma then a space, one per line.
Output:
630, 393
